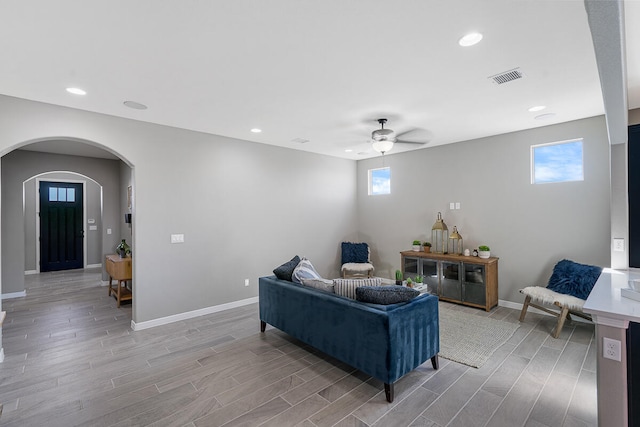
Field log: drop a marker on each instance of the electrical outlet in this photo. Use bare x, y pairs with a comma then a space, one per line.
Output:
246, 282
611, 349
618, 245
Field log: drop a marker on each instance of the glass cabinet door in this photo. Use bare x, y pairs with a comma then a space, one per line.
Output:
429, 271
410, 267
450, 283
474, 286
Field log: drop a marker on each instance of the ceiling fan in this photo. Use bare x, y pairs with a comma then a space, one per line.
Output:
384, 139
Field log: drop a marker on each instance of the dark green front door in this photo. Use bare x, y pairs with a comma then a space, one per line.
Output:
61, 221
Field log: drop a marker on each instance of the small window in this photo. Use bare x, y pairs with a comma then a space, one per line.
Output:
379, 181
61, 194
557, 162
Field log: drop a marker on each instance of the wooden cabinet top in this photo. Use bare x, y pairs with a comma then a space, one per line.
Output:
449, 257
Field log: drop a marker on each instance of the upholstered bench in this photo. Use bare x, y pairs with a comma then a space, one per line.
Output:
568, 289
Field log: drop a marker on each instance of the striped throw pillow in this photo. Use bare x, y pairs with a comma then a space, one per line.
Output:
304, 270
347, 287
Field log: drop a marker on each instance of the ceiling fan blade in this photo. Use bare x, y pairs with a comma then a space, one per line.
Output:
416, 136
399, 141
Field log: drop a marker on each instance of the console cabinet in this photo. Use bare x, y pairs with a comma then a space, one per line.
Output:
461, 279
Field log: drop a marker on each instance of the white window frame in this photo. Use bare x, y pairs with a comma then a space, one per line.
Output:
533, 161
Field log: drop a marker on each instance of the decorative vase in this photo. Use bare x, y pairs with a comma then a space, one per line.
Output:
416, 248
427, 248
484, 254
398, 282
123, 249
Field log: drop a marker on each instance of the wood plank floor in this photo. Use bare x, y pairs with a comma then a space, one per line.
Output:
71, 359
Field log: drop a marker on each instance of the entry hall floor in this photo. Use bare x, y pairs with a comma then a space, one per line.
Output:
71, 359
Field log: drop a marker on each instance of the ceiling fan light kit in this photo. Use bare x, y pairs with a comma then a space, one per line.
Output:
383, 146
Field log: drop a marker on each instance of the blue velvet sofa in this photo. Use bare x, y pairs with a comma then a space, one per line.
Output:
384, 341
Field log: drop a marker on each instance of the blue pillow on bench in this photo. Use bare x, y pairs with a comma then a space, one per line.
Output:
572, 278
355, 252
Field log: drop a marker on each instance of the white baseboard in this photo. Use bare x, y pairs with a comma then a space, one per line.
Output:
1, 354
104, 283
29, 272
14, 295
93, 265
191, 314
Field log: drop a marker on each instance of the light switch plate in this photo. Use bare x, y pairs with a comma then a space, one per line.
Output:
177, 238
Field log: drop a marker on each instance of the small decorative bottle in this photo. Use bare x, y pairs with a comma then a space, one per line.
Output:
123, 249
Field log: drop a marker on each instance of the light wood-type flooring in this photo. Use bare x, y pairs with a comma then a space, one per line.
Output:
71, 358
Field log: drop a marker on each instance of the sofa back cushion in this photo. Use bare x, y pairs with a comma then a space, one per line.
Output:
321, 284
347, 287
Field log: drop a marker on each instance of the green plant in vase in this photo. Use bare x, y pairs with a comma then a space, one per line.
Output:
416, 245
399, 277
426, 246
484, 251
409, 282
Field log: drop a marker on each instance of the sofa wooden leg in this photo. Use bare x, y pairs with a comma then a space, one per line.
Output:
388, 391
263, 326
434, 362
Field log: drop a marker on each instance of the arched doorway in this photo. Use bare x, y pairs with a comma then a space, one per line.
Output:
82, 158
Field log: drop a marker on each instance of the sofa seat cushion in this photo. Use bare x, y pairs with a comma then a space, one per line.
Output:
347, 287
392, 294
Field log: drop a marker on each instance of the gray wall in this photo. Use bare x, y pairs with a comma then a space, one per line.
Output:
530, 227
244, 208
92, 201
19, 166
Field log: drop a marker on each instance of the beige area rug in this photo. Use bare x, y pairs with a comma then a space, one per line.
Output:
471, 339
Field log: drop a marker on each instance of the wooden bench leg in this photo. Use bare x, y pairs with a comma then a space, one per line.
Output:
388, 391
561, 319
527, 300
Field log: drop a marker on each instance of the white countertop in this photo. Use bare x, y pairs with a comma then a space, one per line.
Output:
607, 306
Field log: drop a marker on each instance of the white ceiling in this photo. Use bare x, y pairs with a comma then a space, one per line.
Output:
322, 71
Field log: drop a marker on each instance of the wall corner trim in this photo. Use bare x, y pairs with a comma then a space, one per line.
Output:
191, 314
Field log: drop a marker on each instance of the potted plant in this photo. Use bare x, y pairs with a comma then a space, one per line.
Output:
418, 281
427, 246
416, 245
398, 277
484, 251
409, 282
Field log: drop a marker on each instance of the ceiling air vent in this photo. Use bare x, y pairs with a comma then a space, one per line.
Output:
507, 76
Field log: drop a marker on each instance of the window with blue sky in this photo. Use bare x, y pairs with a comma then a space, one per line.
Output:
379, 181
557, 162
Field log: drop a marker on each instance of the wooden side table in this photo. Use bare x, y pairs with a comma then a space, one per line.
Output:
120, 270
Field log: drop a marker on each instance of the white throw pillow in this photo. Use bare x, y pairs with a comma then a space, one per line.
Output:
304, 270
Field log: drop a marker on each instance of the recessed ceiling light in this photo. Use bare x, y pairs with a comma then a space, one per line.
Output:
363, 153
545, 116
470, 39
76, 91
537, 108
135, 105
348, 150
256, 130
